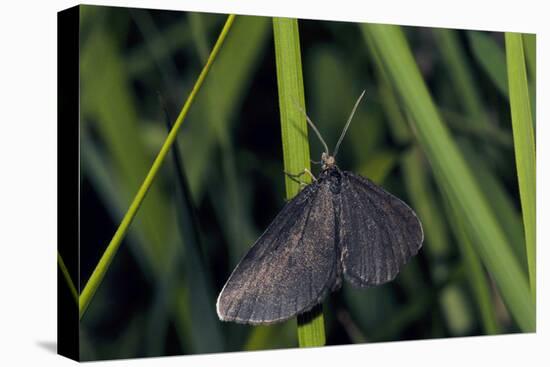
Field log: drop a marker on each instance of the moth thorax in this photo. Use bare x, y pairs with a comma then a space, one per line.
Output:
328, 161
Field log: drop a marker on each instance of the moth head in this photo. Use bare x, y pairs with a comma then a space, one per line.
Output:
327, 160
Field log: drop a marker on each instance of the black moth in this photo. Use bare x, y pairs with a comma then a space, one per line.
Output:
341, 223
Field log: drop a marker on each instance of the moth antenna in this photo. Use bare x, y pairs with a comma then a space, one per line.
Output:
312, 126
347, 124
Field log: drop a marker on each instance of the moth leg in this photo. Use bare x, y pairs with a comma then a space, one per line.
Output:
295, 177
315, 162
311, 174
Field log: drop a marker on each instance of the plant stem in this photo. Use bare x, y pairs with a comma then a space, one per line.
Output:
311, 330
107, 257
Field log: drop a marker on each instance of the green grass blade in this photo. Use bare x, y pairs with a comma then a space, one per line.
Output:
452, 172
100, 173
107, 257
491, 58
524, 144
291, 95
177, 36
108, 107
475, 274
530, 49
67, 277
295, 143
222, 96
205, 325
420, 190
223, 93
460, 75
414, 169
502, 204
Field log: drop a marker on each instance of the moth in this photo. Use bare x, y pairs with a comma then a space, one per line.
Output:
341, 225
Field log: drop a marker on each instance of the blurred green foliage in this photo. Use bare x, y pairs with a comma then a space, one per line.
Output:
158, 297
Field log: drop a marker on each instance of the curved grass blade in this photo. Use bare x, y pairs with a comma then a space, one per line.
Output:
452, 172
311, 331
108, 255
524, 144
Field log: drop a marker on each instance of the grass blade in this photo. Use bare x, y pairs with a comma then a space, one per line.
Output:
295, 144
205, 325
96, 169
67, 277
476, 277
461, 75
224, 93
499, 199
452, 172
107, 257
109, 109
420, 190
530, 49
524, 144
491, 58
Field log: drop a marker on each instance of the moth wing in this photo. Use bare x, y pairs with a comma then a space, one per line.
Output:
290, 268
380, 233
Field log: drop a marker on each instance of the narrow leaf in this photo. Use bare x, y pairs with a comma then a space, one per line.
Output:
491, 58
67, 277
295, 144
524, 144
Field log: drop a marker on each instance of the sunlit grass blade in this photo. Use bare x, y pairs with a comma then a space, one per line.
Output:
530, 49
524, 144
67, 277
451, 171
295, 143
107, 257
